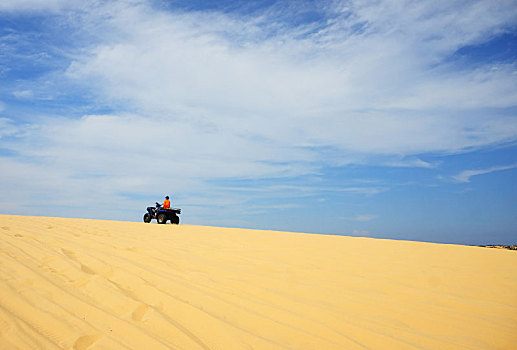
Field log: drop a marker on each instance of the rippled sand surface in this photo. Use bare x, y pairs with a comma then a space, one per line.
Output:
91, 284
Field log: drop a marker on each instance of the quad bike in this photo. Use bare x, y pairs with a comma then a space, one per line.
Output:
162, 215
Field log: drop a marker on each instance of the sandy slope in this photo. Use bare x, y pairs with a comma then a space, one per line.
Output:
88, 284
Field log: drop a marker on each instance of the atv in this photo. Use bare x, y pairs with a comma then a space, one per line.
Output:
162, 215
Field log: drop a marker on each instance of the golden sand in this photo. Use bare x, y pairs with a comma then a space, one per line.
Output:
91, 284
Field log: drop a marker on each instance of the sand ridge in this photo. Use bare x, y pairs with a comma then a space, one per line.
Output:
93, 284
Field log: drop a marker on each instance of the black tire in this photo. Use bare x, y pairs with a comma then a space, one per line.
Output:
147, 218
161, 218
175, 220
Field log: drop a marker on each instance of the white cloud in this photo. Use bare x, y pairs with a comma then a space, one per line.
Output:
363, 217
465, 175
116, 144
323, 89
23, 94
35, 5
410, 163
7, 127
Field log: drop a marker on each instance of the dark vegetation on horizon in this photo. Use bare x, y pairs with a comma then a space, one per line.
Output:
510, 247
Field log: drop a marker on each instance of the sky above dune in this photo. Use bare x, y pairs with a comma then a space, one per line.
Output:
388, 119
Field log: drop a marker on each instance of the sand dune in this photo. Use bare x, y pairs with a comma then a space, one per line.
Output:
91, 284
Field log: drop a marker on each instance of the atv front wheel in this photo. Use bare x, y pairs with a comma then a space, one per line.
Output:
147, 218
161, 218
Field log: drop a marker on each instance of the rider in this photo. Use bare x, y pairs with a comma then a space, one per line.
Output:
166, 203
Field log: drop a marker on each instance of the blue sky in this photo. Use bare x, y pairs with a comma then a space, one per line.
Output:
385, 119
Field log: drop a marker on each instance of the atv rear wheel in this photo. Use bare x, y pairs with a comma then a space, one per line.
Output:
147, 218
161, 218
175, 220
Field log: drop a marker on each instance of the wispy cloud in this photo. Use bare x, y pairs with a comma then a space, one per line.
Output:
410, 163
363, 217
465, 175
303, 86
23, 94
37, 5
7, 127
